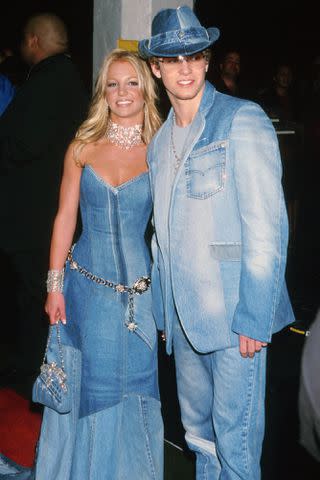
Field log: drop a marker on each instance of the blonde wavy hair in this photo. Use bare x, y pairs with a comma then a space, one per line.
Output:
94, 127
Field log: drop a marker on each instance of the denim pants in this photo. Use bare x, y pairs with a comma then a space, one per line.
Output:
221, 396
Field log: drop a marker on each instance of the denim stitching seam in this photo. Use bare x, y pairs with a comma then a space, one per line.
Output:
248, 413
143, 406
91, 448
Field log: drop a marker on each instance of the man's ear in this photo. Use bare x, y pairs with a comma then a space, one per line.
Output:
155, 70
34, 41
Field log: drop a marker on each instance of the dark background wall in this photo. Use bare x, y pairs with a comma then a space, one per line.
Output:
265, 32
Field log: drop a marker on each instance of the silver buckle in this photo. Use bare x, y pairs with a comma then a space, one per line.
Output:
141, 285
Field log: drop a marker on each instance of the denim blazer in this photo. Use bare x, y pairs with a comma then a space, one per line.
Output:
220, 248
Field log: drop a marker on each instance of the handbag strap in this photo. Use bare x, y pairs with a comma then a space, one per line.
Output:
57, 325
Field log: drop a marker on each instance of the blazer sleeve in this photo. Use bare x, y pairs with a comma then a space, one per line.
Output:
264, 228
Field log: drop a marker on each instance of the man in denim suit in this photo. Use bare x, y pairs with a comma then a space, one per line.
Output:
219, 248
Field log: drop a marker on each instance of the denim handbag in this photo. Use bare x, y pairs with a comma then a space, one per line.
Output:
51, 387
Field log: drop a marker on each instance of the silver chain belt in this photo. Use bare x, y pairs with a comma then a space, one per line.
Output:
138, 288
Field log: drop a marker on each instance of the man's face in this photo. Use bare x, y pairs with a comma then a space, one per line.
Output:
283, 77
231, 65
183, 77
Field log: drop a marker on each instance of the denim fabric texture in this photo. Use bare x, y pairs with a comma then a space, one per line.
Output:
221, 396
177, 31
53, 396
10, 469
226, 227
114, 430
219, 252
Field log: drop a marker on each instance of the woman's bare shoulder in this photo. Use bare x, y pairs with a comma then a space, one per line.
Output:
88, 152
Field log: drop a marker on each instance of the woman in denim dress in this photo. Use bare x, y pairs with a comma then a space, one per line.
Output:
114, 430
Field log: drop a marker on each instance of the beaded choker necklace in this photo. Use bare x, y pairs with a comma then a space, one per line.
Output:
124, 137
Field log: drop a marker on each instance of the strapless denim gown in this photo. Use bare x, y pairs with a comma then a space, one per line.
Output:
115, 428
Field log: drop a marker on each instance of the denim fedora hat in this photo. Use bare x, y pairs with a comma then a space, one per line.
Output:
177, 32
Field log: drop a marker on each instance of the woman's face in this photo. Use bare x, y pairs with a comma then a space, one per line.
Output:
123, 94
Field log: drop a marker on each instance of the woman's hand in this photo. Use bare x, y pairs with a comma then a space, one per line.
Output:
55, 308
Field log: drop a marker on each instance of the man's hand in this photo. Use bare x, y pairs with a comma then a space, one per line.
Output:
248, 346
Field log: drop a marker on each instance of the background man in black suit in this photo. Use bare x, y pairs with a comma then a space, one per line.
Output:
34, 133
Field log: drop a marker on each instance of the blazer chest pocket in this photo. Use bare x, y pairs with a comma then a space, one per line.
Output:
205, 171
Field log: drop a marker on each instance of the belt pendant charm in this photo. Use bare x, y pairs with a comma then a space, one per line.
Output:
132, 326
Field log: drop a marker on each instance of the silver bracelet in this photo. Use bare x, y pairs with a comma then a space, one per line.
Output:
55, 281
